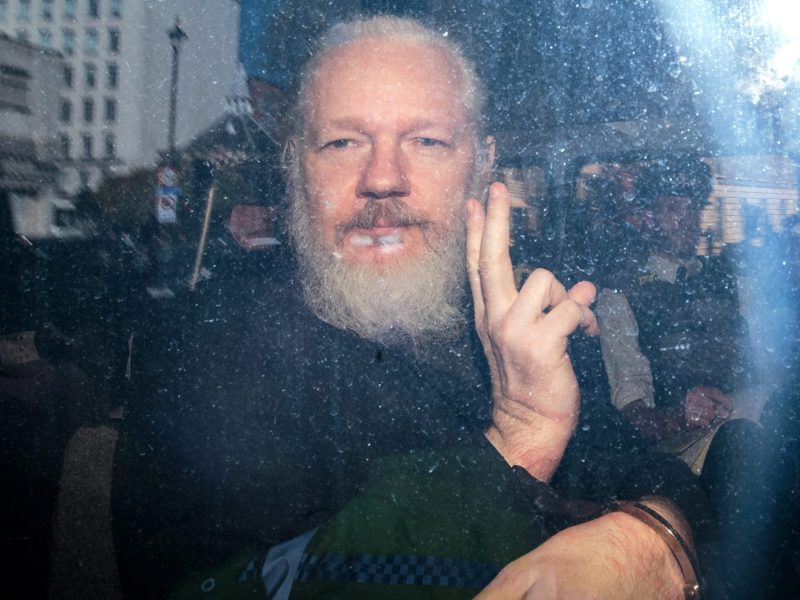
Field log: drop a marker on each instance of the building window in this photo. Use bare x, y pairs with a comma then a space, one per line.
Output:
93, 8
65, 112
70, 9
24, 13
86, 141
90, 70
111, 146
45, 38
47, 10
69, 42
90, 45
64, 145
88, 110
15, 88
67, 76
116, 8
84, 175
3, 10
112, 76
114, 40
110, 110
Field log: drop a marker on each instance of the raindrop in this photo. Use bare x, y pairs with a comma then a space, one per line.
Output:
586, 3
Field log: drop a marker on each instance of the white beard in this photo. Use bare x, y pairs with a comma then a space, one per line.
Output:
416, 302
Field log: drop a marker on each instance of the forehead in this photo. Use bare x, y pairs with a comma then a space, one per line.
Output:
385, 82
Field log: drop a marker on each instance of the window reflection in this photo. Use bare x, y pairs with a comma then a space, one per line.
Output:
584, 97
742, 185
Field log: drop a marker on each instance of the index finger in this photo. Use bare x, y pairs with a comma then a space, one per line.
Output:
475, 223
494, 263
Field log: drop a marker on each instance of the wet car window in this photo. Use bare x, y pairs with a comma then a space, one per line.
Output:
745, 188
154, 189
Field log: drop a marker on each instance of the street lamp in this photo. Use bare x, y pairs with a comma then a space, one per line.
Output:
168, 188
176, 37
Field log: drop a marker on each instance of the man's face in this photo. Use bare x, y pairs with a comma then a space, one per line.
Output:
388, 155
676, 222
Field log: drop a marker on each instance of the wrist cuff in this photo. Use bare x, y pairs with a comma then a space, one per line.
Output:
680, 548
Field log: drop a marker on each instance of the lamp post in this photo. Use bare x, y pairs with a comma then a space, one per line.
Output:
176, 37
168, 188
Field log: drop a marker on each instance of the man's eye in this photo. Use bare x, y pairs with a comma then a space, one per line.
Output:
343, 143
430, 142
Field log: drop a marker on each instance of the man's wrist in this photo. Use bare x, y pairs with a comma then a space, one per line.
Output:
664, 519
535, 443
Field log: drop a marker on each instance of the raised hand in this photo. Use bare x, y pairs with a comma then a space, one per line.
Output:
524, 336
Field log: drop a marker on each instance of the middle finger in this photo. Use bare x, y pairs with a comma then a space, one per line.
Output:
494, 265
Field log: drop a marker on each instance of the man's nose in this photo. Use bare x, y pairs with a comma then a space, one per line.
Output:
384, 175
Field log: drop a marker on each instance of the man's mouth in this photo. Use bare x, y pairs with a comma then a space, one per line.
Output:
383, 225
376, 236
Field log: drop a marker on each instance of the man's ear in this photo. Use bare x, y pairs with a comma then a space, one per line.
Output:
489, 146
289, 150
486, 158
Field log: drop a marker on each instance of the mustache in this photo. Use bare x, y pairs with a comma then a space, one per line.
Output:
386, 212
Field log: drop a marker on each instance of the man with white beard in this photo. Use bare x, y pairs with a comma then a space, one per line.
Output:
287, 397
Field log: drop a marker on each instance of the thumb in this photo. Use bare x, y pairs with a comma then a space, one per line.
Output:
583, 292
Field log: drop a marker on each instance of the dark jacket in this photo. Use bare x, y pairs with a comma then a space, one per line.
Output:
691, 331
272, 420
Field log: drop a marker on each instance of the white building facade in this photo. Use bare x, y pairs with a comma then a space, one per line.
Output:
114, 88
28, 139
